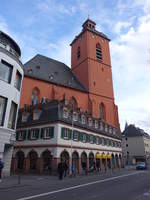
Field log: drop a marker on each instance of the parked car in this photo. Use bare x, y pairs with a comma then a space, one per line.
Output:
141, 165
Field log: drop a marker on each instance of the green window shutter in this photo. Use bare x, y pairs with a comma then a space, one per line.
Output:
42, 133
88, 138
24, 134
94, 139
29, 134
62, 132
37, 133
81, 137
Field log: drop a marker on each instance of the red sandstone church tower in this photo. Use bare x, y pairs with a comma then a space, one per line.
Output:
90, 62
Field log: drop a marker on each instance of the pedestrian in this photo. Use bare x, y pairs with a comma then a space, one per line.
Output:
1, 168
98, 165
84, 167
61, 170
73, 169
49, 169
65, 168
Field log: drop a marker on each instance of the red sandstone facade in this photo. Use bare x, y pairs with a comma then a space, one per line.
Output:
93, 73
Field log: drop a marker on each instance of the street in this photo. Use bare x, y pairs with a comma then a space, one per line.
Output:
122, 185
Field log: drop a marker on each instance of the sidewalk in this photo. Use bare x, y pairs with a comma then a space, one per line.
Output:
30, 180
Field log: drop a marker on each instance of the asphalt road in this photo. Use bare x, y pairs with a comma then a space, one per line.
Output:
125, 185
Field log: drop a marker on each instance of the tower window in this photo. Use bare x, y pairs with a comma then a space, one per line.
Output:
102, 111
78, 53
98, 52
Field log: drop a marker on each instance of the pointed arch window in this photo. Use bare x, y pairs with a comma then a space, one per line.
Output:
35, 96
98, 52
102, 111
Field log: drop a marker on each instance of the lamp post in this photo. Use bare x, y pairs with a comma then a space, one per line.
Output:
71, 146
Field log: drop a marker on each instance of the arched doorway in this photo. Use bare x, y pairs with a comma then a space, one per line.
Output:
117, 161
75, 161
108, 161
120, 160
113, 161
84, 160
98, 161
20, 160
65, 157
104, 166
91, 160
33, 161
47, 161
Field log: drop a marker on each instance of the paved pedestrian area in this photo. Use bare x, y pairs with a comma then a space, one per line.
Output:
121, 185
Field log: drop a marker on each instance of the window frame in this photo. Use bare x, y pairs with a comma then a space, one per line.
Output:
10, 67
4, 110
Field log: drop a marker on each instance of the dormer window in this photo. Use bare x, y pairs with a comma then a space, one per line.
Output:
78, 53
36, 114
90, 122
106, 128
96, 124
83, 119
65, 113
101, 126
98, 52
75, 116
110, 130
25, 116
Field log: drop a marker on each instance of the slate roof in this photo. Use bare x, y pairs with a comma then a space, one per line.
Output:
132, 131
53, 71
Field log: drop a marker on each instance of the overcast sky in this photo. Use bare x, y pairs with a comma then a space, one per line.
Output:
48, 27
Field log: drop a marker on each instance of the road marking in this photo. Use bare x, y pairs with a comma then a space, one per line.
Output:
78, 186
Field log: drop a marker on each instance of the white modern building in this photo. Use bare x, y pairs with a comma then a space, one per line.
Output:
11, 74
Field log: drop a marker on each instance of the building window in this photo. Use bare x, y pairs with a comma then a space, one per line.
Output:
126, 145
36, 114
78, 53
84, 137
3, 104
83, 119
96, 124
106, 128
75, 135
91, 139
25, 116
90, 122
21, 135
101, 126
97, 140
65, 113
49, 132
75, 116
18, 81
12, 116
66, 133
102, 139
102, 111
35, 96
34, 134
5, 71
98, 52
110, 130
